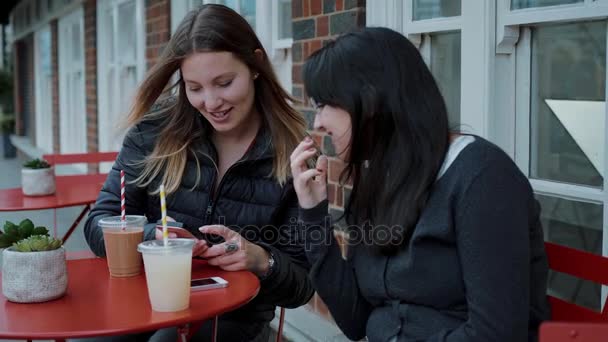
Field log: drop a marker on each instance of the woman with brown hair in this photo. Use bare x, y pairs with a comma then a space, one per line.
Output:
218, 137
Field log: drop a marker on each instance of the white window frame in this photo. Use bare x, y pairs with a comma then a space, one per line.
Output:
73, 131
25, 22
476, 49
514, 37
44, 110
277, 43
509, 21
266, 27
106, 123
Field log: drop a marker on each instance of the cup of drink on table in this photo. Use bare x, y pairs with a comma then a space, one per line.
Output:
168, 271
121, 236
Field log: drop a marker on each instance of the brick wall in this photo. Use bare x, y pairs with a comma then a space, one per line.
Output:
158, 28
315, 22
90, 53
55, 85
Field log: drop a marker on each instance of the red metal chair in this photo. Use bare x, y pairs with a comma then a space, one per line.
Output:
583, 265
571, 322
573, 332
187, 333
96, 177
88, 158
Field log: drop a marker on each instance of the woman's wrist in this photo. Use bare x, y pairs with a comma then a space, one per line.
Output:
262, 266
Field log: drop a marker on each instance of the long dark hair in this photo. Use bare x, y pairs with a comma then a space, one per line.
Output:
211, 28
399, 128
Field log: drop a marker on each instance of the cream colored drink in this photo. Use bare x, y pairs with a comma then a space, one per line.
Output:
168, 273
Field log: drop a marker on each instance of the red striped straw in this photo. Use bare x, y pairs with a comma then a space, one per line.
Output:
123, 216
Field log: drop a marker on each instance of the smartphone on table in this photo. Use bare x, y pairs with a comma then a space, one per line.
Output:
208, 283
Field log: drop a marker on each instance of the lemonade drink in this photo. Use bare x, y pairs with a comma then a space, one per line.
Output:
168, 273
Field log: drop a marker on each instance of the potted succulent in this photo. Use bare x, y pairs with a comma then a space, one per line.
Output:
37, 178
33, 264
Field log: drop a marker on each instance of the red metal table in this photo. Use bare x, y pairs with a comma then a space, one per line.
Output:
97, 305
73, 190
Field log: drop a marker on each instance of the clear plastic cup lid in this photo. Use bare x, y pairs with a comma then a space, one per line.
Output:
116, 222
173, 246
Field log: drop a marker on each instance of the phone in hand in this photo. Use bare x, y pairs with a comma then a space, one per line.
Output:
179, 232
208, 283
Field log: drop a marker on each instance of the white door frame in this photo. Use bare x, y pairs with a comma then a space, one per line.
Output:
72, 91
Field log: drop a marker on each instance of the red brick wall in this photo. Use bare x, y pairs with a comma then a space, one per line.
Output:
90, 51
314, 22
55, 85
158, 28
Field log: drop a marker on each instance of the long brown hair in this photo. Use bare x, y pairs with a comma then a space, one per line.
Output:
210, 28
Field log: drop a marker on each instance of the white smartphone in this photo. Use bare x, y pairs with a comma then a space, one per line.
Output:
208, 283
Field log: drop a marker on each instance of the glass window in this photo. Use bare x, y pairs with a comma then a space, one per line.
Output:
127, 43
567, 103
428, 9
518, 4
445, 66
284, 13
247, 10
576, 225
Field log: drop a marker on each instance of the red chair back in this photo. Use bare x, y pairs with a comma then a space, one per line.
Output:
75, 158
573, 332
582, 265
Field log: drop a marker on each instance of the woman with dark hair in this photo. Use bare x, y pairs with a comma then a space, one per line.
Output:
218, 137
444, 238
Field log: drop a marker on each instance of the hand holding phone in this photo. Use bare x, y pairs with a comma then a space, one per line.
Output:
208, 283
179, 232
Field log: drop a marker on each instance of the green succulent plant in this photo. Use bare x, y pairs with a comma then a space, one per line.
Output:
36, 164
37, 243
14, 233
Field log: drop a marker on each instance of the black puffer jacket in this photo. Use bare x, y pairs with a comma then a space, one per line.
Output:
247, 200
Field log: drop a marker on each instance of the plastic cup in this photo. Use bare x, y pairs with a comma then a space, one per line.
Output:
168, 272
121, 244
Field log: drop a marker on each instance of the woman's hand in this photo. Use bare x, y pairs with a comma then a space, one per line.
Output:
310, 184
200, 246
235, 253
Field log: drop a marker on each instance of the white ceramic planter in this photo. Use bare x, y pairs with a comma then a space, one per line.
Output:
33, 277
38, 182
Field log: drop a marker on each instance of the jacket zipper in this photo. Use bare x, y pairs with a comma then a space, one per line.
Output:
214, 193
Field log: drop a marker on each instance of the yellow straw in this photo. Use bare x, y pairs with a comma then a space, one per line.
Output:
163, 211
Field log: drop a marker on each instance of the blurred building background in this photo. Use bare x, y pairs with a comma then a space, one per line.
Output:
529, 75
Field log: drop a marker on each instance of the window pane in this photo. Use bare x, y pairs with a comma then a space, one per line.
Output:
445, 66
248, 11
577, 225
518, 4
109, 34
284, 14
567, 97
127, 44
428, 9
77, 53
